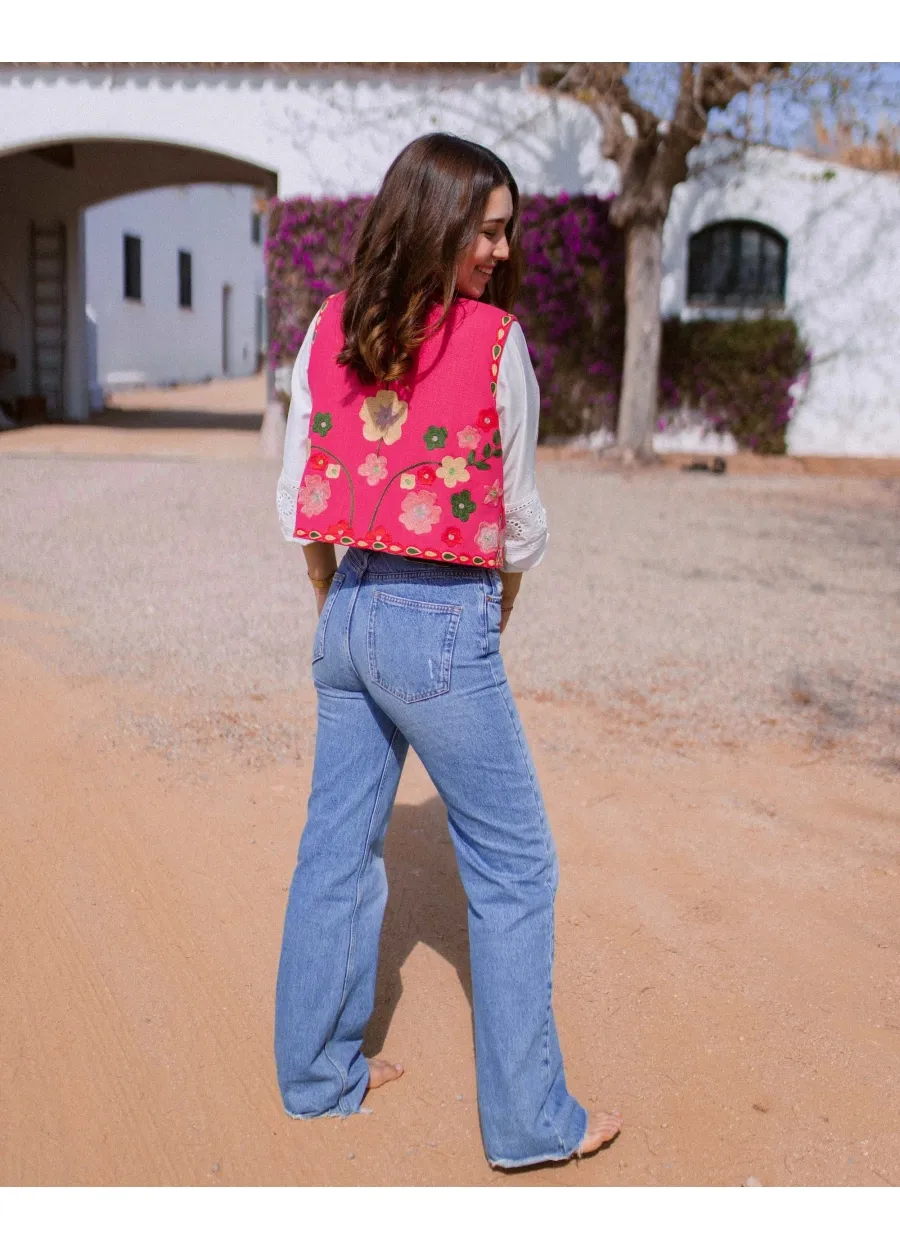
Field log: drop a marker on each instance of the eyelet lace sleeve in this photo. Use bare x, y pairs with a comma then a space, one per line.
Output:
518, 406
296, 443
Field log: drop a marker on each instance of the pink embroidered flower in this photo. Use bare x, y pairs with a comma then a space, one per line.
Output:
492, 495
419, 513
313, 495
452, 470
373, 468
488, 536
469, 437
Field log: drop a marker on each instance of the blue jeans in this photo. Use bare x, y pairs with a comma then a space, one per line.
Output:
407, 651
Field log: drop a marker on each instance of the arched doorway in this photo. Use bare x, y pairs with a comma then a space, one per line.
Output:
44, 192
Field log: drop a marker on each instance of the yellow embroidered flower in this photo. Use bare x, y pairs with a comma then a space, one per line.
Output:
333, 471
407, 481
382, 416
453, 469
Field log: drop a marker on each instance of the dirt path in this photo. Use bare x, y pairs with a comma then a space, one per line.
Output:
727, 962
707, 672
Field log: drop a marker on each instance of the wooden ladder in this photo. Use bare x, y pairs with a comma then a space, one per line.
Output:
48, 301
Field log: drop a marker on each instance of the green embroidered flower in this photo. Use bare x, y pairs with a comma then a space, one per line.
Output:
321, 423
462, 505
435, 436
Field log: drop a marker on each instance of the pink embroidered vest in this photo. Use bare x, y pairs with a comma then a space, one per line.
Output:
412, 467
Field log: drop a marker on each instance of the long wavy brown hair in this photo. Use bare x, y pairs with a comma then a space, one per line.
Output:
429, 209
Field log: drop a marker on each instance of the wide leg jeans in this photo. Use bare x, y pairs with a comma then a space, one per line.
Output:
407, 652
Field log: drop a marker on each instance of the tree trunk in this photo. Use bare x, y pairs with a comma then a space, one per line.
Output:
640, 375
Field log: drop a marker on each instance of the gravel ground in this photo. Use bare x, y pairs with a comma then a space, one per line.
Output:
678, 604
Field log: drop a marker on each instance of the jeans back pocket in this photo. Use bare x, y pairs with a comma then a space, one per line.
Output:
410, 646
319, 639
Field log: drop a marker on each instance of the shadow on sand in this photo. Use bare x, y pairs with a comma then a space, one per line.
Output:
426, 903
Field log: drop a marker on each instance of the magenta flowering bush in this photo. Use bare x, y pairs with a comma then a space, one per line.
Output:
308, 252
736, 374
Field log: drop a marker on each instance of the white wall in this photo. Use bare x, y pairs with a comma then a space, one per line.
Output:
843, 285
154, 342
324, 133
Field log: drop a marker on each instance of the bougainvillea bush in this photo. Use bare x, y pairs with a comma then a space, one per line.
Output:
308, 253
572, 308
736, 375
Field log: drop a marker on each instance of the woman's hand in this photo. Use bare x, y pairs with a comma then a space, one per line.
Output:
505, 613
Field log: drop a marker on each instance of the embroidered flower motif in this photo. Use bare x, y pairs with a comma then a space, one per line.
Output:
462, 505
383, 416
373, 468
313, 495
492, 495
318, 460
435, 436
488, 536
419, 513
425, 475
452, 470
343, 529
468, 437
407, 481
333, 471
452, 536
378, 538
487, 420
321, 423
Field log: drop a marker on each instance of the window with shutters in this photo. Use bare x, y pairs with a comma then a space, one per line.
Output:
739, 264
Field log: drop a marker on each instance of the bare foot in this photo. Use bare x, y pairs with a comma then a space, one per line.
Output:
602, 1127
380, 1072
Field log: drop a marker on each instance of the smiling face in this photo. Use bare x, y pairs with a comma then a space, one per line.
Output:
489, 248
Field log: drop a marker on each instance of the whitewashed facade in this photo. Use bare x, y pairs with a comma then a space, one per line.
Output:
72, 137
199, 314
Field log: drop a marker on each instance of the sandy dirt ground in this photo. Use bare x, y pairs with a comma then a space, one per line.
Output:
727, 924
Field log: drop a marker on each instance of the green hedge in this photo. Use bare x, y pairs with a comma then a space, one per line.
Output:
736, 375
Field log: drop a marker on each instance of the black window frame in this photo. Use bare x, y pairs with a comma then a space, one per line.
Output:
737, 263
185, 279
256, 228
131, 267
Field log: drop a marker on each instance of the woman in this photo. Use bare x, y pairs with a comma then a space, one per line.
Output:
411, 441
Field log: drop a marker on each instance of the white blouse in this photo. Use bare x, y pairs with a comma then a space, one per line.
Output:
518, 406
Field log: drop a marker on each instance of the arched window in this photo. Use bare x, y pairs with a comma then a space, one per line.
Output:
737, 263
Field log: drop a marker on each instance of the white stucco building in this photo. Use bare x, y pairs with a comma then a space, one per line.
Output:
72, 137
175, 286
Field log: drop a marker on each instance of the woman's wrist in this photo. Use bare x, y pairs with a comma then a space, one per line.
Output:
510, 583
321, 564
